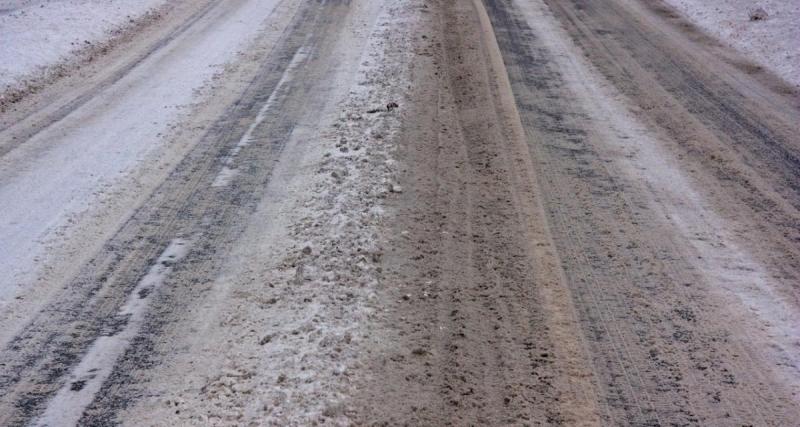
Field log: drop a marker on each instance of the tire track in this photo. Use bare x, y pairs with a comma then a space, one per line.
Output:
661, 350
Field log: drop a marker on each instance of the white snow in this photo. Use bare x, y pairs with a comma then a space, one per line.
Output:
773, 43
37, 33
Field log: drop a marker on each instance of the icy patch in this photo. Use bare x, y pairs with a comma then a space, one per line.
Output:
288, 75
224, 177
246, 139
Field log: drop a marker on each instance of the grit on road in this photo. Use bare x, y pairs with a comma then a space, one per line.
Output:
449, 212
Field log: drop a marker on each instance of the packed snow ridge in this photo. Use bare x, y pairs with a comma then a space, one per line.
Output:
38, 34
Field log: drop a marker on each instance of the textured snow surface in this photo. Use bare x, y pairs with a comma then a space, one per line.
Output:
40, 33
773, 43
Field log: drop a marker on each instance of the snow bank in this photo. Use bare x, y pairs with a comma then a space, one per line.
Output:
35, 34
773, 42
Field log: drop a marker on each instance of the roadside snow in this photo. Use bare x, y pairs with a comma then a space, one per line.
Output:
35, 34
773, 42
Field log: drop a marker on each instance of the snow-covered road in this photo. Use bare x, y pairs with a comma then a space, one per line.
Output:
394, 212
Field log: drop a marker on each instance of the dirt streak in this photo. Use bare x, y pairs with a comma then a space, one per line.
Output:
479, 315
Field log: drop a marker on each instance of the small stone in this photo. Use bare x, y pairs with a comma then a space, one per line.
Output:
758, 14
307, 250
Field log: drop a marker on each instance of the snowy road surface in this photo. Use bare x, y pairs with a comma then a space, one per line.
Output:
290, 212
